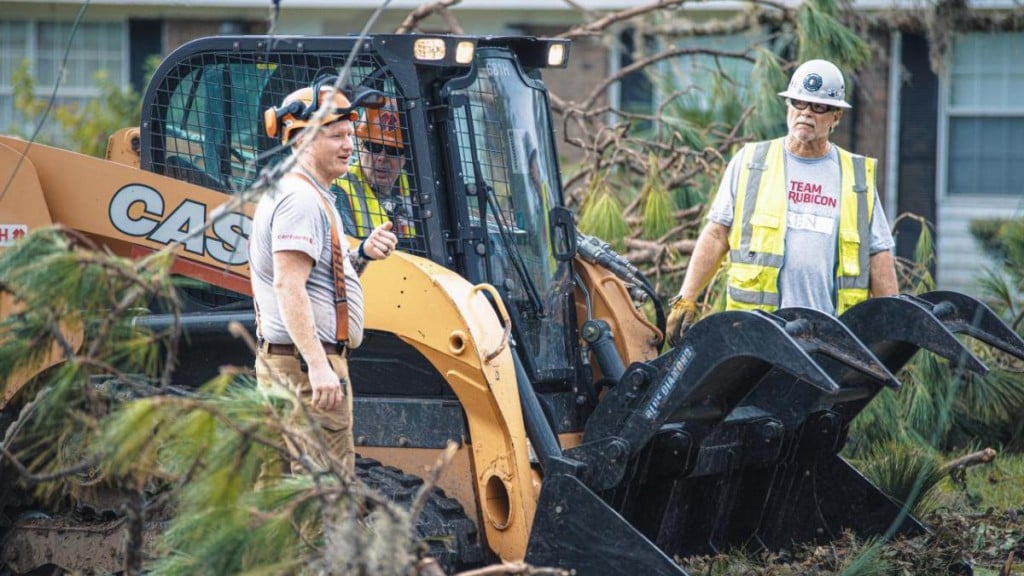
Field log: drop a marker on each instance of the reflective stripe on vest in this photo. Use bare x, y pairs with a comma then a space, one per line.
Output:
366, 208
758, 241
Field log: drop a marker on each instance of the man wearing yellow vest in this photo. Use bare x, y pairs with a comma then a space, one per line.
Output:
798, 216
375, 189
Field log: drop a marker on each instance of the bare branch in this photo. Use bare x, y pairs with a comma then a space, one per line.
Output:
425, 11
602, 24
973, 459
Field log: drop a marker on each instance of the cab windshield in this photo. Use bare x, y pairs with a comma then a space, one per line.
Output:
507, 155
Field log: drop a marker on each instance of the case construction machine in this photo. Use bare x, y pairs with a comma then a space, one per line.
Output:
497, 326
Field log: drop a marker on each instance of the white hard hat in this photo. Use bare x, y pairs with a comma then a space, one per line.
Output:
817, 81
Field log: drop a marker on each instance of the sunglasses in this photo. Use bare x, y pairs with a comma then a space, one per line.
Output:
377, 148
815, 106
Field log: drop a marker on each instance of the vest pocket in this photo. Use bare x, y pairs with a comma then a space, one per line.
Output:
765, 235
752, 278
849, 297
849, 252
752, 287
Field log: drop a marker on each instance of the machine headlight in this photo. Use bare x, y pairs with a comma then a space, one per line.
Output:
429, 49
556, 55
464, 52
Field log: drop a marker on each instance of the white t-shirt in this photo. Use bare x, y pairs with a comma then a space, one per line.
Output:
291, 217
807, 277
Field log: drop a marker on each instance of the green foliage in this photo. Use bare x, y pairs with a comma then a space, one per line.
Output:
906, 471
768, 117
821, 34
60, 287
87, 128
867, 560
659, 211
105, 415
989, 232
602, 216
77, 306
997, 486
231, 515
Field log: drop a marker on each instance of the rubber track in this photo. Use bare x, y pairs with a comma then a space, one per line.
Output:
442, 525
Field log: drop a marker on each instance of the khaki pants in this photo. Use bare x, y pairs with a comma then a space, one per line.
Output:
335, 425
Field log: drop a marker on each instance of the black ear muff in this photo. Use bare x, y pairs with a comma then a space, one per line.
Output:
297, 110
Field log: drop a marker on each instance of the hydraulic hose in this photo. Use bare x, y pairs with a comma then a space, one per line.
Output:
596, 251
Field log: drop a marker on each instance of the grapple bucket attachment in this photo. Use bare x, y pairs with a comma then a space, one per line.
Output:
732, 439
651, 429
720, 361
812, 494
723, 498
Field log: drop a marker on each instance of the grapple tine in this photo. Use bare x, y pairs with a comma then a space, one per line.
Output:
730, 479
821, 333
895, 328
963, 314
721, 359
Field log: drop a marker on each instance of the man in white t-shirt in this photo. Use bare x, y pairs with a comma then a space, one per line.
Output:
798, 217
305, 280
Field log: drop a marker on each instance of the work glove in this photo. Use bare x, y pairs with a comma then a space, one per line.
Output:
680, 318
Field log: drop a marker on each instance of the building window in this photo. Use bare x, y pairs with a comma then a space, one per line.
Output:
985, 115
97, 46
706, 81
636, 92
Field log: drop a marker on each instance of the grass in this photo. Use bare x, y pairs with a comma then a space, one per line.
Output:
999, 486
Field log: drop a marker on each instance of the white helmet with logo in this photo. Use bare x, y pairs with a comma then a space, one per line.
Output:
817, 81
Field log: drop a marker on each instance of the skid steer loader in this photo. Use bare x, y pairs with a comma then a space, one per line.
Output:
497, 325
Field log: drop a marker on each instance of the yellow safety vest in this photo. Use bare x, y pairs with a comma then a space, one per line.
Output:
757, 238
363, 203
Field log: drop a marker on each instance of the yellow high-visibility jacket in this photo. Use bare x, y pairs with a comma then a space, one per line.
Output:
359, 200
757, 238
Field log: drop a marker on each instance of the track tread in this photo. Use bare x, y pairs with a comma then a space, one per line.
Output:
450, 535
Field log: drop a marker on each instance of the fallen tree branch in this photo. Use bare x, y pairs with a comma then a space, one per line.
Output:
973, 459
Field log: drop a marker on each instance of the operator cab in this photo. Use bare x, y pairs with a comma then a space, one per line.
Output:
478, 159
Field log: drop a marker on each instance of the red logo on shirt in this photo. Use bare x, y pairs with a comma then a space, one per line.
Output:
306, 239
809, 193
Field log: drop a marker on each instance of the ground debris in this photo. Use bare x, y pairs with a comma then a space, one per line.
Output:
991, 543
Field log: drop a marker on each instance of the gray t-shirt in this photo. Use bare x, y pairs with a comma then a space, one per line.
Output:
291, 217
807, 277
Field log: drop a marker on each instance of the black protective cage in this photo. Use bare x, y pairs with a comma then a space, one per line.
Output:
205, 113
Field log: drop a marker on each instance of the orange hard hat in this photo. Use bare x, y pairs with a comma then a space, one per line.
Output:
297, 111
381, 125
